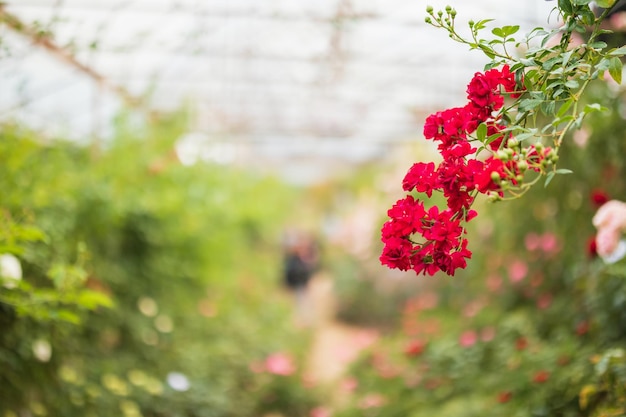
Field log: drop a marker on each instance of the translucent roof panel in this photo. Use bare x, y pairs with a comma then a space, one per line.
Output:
274, 74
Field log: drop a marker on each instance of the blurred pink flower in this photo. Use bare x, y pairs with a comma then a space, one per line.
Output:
532, 241
544, 301
549, 243
280, 364
468, 338
610, 220
320, 411
473, 308
372, 400
488, 334
494, 283
517, 270
348, 384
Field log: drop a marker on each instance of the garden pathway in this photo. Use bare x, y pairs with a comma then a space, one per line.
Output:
335, 345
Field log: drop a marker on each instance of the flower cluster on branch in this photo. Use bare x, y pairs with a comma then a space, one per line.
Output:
505, 118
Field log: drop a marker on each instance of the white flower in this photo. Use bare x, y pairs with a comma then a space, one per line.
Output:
10, 270
178, 381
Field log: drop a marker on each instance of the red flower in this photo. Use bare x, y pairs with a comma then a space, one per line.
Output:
397, 253
599, 197
541, 376
521, 343
481, 91
507, 78
415, 347
582, 328
459, 177
421, 177
592, 249
505, 397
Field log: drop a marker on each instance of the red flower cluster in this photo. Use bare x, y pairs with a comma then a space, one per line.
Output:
460, 177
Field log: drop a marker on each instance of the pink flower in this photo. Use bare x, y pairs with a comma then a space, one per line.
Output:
348, 385
373, 400
544, 301
494, 283
532, 241
320, 411
468, 338
610, 220
280, 364
488, 334
517, 270
549, 243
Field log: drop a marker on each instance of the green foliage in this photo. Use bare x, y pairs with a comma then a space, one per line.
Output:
137, 269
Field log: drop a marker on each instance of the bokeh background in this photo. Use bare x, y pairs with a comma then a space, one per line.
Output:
156, 158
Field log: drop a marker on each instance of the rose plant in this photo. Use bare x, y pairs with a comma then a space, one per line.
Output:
506, 138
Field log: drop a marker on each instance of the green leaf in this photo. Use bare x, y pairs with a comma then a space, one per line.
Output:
590, 108
548, 107
564, 108
618, 51
598, 45
547, 66
509, 30
563, 171
565, 6
548, 178
92, 299
481, 132
581, 2
605, 3
572, 84
493, 137
529, 104
487, 50
615, 69
481, 24
524, 136
67, 316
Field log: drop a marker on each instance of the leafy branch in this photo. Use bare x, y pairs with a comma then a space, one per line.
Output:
552, 69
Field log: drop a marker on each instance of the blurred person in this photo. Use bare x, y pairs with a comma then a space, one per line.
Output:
301, 259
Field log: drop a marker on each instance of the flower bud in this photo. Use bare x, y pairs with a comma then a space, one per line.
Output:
512, 143
429, 9
539, 147
501, 155
519, 178
428, 20
471, 23
522, 165
495, 176
493, 197
448, 8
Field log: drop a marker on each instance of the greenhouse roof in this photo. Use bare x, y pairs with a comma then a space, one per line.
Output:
324, 81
